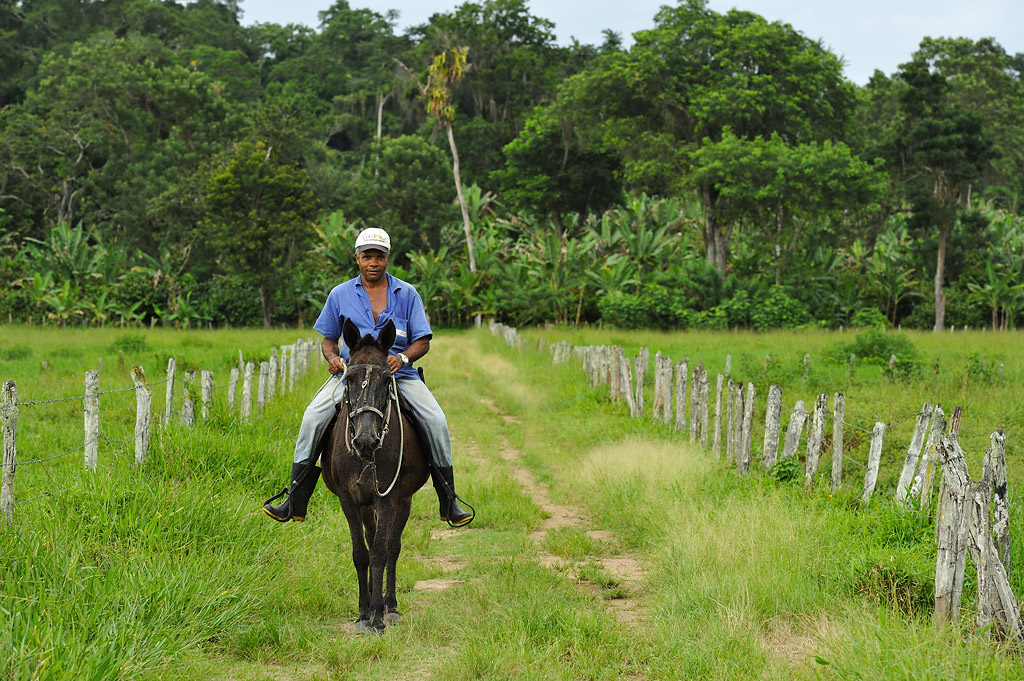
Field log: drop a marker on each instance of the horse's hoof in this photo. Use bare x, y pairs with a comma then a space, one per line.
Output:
368, 628
363, 626
392, 618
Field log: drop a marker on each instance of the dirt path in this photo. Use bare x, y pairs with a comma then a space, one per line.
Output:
624, 569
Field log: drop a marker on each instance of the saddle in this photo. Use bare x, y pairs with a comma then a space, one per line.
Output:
324, 433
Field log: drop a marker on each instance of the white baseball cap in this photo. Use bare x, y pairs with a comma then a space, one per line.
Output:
373, 238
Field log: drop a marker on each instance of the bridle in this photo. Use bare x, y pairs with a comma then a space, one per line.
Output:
362, 402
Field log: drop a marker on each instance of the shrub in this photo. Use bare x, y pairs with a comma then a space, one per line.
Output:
130, 342
869, 318
875, 346
785, 470
779, 310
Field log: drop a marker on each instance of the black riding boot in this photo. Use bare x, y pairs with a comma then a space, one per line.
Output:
444, 485
299, 492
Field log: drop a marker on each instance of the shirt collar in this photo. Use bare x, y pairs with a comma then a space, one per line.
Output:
394, 284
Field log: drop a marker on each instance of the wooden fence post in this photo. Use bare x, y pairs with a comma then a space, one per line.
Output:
807, 367
272, 374
9, 406
188, 404
293, 362
995, 472
658, 376
682, 373
206, 392
747, 431
143, 412
838, 417
874, 459
728, 365
925, 471
247, 392
737, 423
693, 403
951, 532
794, 430
232, 386
704, 388
772, 426
639, 369
730, 449
815, 438
91, 407
626, 381
716, 441
910, 463
261, 390
169, 391
283, 368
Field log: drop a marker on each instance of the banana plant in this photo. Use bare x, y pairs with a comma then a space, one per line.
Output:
63, 303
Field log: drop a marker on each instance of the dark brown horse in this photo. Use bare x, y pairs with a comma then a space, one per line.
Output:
374, 472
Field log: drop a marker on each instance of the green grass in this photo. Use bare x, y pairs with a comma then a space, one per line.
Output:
170, 571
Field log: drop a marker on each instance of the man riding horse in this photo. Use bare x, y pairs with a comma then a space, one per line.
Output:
370, 301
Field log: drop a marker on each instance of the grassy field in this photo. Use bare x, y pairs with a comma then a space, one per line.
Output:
170, 570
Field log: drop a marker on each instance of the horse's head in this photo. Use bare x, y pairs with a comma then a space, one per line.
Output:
368, 388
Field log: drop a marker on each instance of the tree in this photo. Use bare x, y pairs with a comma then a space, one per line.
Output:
258, 216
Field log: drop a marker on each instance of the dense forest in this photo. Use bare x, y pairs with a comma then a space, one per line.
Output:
161, 163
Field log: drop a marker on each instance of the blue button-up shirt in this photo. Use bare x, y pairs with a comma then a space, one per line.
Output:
349, 300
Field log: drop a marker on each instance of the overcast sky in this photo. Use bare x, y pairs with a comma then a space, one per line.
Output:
868, 35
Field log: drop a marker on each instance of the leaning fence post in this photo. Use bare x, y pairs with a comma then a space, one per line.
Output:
247, 392
874, 459
283, 368
716, 441
839, 414
626, 381
206, 392
772, 426
658, 376
737, 423
143, 410
91, 406
794, 430
729, 416
910, 464
995, 470
9, 406
951, 532
815, 438
169, 402
693, 404
926, 469
704, 409
294, 366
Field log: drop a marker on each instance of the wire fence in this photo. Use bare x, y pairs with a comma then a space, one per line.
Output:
255, 381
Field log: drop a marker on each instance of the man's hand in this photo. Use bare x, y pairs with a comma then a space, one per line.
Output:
394, 363
336, 366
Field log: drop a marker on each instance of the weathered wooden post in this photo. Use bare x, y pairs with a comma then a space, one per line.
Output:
247, 391
838, 417
638, 363
772, 425
728, 365
206, 392
716, 443
261, 389
232, 385
923, 479
853, 361
737, 422
995, 472
9, 407
910, 463
694, 380
283, 368
293, 353
682, 373
169, 391
729, 416
794, 429
188, 405
91, 405
807, 367
658, 375
614, 375
143, 411
272, 374
626, 382
704, 388
748, 430
951, 532
874, 459
815, 439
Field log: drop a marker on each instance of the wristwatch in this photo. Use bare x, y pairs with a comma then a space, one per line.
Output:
405, 360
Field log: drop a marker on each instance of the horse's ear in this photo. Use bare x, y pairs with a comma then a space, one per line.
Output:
350, 332
386, 338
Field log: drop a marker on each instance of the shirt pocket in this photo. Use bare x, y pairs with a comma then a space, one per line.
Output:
401, 333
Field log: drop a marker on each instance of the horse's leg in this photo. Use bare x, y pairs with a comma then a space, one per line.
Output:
360, 556
401, 516
378, 560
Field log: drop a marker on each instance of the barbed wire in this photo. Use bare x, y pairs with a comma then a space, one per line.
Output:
43, 496
43, 460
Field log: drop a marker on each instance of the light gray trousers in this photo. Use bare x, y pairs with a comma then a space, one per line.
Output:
416, 393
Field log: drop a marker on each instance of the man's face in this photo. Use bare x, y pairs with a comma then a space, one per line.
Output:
372, 265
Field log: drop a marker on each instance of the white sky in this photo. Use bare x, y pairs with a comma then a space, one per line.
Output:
868, 35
